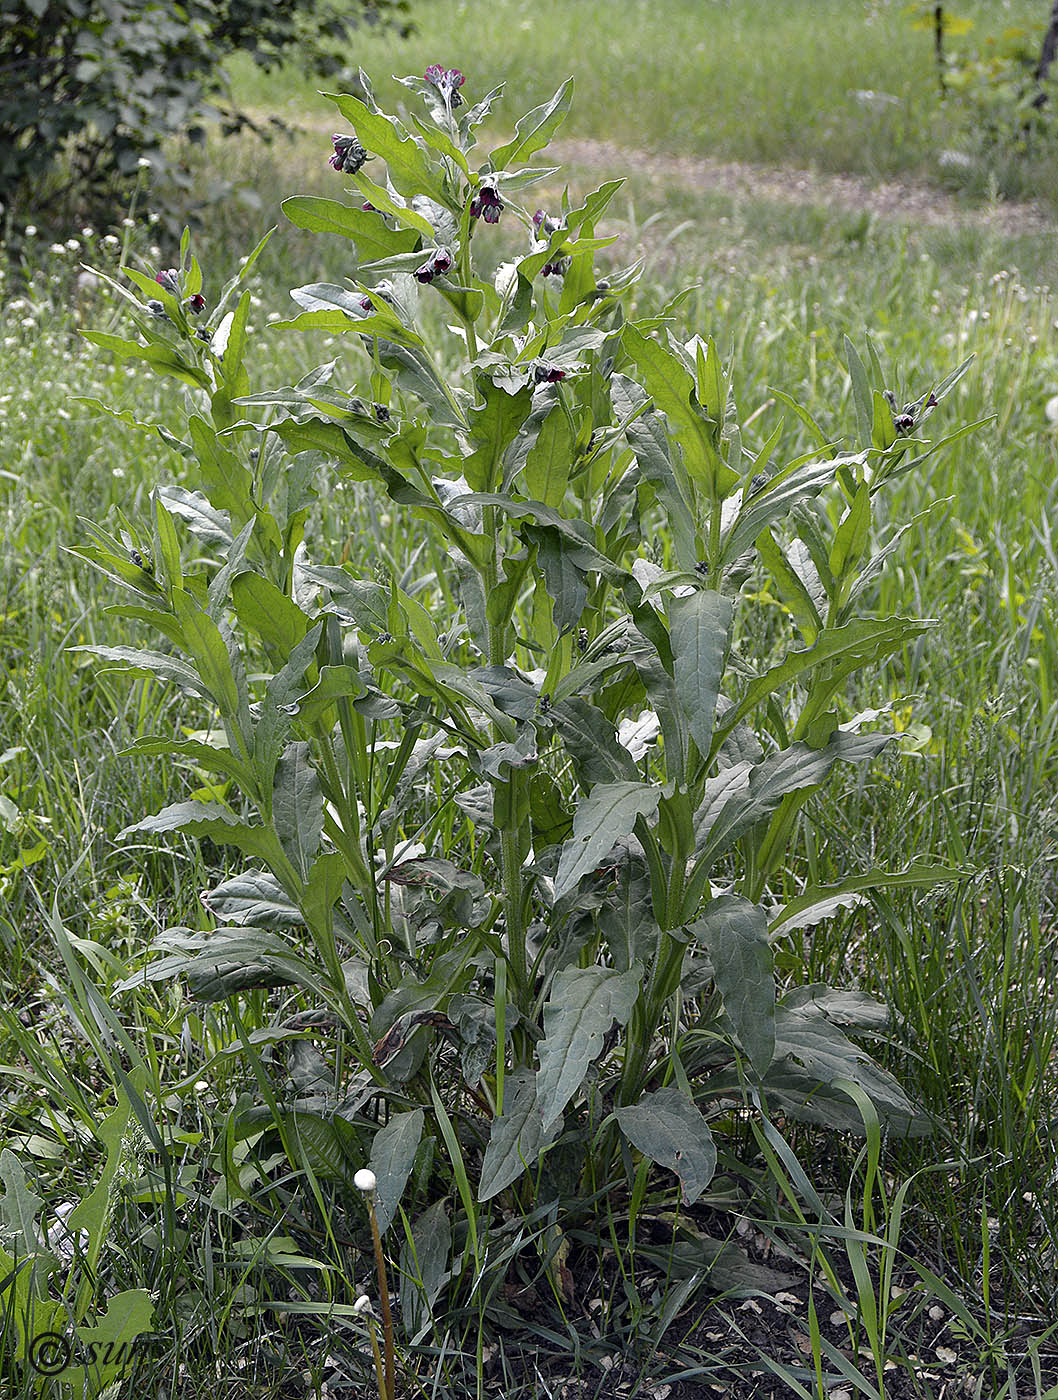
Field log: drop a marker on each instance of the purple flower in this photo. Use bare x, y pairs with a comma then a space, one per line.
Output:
348, 156
170, 280
434, 266
558, 268
544, 373
544, 224
446, 81
366, 304
487, 204
368, 207
196, 303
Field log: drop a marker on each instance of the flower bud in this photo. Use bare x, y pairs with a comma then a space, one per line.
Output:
348, 156
169, 280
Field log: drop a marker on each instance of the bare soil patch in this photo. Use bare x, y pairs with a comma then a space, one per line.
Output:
893, 199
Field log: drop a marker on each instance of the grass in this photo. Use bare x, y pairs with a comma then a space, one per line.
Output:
831, 85
968, 971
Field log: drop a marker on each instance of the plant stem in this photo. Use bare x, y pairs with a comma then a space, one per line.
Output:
383, 1301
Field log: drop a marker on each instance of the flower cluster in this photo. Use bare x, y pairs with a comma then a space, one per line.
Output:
487, 204
446, 81
348, 156
435, 266
170, 281
544, 373
544, 226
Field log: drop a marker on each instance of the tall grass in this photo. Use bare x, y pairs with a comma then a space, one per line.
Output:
844, 85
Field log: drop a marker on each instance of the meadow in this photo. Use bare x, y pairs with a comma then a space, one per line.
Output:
240, 1288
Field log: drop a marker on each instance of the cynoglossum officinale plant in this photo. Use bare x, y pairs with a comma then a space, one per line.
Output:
518, 812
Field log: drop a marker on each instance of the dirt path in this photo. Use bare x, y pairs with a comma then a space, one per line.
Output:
902, 200
894, 199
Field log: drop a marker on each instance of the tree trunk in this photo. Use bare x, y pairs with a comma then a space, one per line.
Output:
1047, 55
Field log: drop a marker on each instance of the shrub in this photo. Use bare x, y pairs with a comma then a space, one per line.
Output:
88, 89
517, 811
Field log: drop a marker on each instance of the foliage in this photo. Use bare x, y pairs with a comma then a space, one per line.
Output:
516, 811
88, 90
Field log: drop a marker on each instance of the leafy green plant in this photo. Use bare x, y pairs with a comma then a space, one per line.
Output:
519, 810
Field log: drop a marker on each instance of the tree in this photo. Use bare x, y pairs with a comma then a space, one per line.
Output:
90, 87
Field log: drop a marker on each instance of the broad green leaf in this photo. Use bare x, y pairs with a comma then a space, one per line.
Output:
735, 934
92, 1212
321, 1145
494, 422
789, 770
262, 608
128, 1315
226, 482
374, 238
698, 628
518, 1136
811, 1053
151, 663
591, 741
583, 1005
602, 817
535, 130
206, 756
297, 806
210, 819
19, 1206
393, 1150
852, 536
424, 1267
856, 644
667, 1127
203, 640
790, 587
549, 459
775, 500
821, 901
254, 897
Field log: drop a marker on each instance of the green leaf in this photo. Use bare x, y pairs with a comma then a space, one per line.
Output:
373, 237
667, 1127
821, 901
602, 817
852, 535
424, 1267
203, 640
19, 1206
262, 608
777, 497
151, 663
698, 628
207, 756
583, 1005
254, 897
297, 806
210, 819
128, 1315
393, 1150
789, 770
861, 393
735, 934
857, 644
517, 1138
494, 422
549, 459
534, 131
811, 1053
